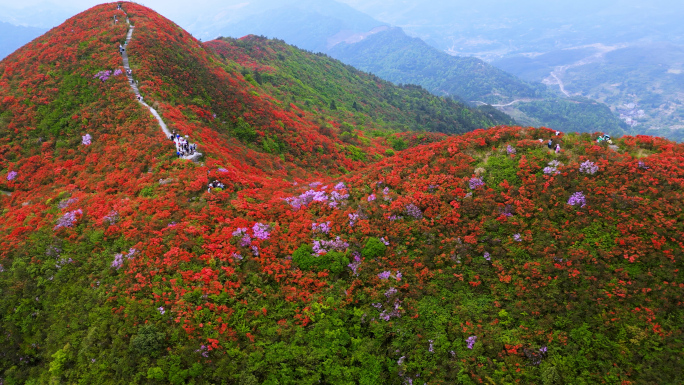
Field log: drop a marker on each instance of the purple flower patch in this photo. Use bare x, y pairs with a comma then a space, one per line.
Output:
474, 183
577, 198
68, 219
471, 341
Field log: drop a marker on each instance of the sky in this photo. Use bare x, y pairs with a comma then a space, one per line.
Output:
20, 12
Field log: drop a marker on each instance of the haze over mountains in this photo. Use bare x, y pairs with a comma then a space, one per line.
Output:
624, 53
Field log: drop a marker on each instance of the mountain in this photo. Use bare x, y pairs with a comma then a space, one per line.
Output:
36, 13
397, 57
317, 83
358, 40
394, 56
625, 54
327, 253
13, 37
307, 24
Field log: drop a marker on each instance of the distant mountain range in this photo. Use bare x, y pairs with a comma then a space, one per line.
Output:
370, 45
12, 37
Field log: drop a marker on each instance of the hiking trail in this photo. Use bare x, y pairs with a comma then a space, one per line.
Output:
167, 134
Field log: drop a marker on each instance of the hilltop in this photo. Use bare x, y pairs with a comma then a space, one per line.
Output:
338, 250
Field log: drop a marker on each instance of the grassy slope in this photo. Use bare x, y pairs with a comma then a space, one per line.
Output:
197, 300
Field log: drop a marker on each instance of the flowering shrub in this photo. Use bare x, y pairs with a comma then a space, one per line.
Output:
261, 231
577, 198
119, 258
323, 228
588, 167
413, 211
471, 341
68, 219
322, 247
474, 183
11, 175
103, 75
552, 168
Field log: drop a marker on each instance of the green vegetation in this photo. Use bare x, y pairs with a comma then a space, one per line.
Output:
575, 115
404, 60
319, 84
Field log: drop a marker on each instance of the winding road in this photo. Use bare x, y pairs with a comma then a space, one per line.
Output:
504, 105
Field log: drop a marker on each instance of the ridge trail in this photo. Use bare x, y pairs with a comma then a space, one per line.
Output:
167, 133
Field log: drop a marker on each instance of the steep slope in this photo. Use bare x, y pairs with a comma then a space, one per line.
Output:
461, 259
317, 83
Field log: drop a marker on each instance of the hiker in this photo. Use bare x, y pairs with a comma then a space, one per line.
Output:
557, 148
550, 144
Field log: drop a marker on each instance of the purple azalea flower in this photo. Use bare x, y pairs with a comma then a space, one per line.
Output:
413, 211
588, 167
68, 219
86, 139
474, 183
471, 341
385, 275
354, 266
321, 227
11, 175
261, 231
577, 198
322, 247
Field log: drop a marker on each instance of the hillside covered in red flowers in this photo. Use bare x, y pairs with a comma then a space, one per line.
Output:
355, 240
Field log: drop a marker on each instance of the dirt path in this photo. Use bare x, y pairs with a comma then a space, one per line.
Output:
7, 193
134, 87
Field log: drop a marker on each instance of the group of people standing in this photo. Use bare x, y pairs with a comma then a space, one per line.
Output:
215, 184
183, 148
